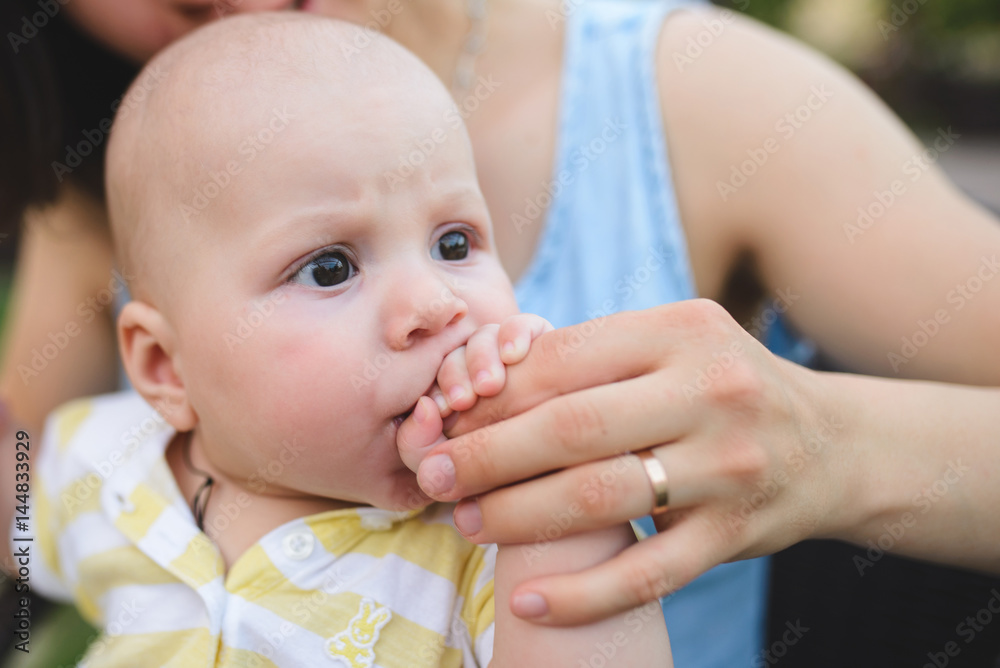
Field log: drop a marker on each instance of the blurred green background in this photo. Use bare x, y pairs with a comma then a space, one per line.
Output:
936, 62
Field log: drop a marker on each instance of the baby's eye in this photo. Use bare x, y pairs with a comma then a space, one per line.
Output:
325, 271
452, 246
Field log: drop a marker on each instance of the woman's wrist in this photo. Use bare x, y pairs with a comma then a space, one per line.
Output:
917, 464
850, 473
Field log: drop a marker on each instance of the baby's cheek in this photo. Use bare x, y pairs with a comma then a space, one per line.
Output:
502, 306
490, 297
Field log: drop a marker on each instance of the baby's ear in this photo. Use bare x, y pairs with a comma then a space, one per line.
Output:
147, 345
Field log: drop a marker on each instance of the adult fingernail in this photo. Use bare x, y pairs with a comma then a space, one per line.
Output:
529, 606
468, 518
436, 475
420, 412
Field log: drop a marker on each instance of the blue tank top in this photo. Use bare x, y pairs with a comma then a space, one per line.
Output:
612, 241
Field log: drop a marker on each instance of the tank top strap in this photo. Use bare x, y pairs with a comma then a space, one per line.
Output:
611, 165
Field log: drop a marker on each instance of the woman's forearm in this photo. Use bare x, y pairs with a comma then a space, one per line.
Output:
59, 340
922, 469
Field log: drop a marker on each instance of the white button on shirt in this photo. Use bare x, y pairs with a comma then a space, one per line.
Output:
123, 503
298, 545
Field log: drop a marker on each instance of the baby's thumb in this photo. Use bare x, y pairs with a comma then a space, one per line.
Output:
419, 432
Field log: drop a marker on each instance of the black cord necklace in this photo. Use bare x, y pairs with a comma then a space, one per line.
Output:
200, 501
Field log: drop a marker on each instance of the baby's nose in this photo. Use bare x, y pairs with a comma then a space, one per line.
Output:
421, 308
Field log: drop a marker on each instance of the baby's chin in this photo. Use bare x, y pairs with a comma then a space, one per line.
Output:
398, 493
404, 494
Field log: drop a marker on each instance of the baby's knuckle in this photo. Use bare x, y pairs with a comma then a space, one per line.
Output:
448, 370
483, 341
509, 328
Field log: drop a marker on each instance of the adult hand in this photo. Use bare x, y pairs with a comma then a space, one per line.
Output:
742, 435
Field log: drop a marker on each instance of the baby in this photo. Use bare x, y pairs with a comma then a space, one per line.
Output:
291, 305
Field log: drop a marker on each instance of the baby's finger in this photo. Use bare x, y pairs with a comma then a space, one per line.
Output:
482, 358
516, 334
454, 380
442, 404
419, 432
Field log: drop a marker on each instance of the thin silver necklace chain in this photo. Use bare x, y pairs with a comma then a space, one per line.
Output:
475, 42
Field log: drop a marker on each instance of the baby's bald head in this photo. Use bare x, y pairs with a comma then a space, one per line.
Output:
224, 93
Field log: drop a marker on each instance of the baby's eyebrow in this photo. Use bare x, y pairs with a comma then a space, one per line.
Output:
316, 227
461, 198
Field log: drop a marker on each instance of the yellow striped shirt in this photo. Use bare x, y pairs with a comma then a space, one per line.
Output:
355, 588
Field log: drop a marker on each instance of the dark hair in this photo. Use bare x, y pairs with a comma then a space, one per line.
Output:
57, 88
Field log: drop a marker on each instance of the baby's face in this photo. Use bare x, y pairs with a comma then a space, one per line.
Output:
324, 283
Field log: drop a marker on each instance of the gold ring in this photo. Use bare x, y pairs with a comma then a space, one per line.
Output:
657, 479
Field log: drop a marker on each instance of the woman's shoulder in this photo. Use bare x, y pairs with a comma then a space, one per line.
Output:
731, 95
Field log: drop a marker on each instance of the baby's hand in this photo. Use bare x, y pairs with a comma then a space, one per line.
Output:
477, 368
474, 370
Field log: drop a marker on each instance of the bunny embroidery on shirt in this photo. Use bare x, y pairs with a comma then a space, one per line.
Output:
353, 646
